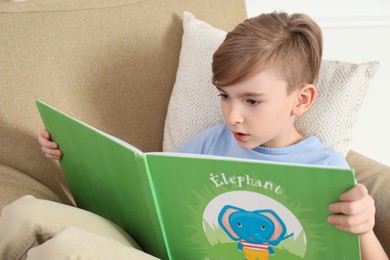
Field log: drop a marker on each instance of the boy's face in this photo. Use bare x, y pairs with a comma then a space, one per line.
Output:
258, 111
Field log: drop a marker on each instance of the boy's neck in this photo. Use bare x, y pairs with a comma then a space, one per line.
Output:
294, 137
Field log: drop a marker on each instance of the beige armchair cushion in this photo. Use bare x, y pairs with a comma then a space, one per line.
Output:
376, 177
75, 243
15, 184
28, 222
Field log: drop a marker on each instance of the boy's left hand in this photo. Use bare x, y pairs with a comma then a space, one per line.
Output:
358, 211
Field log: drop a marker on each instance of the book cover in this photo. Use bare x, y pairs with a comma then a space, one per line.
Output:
183, 206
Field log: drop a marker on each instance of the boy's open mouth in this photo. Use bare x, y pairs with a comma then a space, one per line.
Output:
241, 137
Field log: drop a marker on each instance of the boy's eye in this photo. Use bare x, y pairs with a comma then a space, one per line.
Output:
223, 96
253, 102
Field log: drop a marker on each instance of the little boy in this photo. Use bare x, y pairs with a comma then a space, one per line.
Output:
265, 72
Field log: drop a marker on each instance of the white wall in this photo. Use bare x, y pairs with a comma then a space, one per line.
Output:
354, 31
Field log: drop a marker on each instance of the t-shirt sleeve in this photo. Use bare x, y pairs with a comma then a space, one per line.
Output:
191, 146
200, 143
338, 160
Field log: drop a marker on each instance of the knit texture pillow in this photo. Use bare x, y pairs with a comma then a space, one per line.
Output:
194, 103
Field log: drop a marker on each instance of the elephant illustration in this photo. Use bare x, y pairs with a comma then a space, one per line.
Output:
256, 230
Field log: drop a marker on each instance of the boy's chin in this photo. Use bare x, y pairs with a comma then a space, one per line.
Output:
247, 146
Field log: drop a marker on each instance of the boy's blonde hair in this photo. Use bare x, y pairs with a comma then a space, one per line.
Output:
289, 44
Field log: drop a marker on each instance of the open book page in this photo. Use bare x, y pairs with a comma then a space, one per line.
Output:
199, 198
107, 177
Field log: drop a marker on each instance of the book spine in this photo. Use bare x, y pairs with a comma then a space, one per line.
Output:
160, 245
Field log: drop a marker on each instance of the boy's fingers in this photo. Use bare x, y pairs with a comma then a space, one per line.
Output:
52, 154
361, 229
365, 204
357, 210
49, 148
356, 193
44, 142
49, 151
351, 221
356, 225
352, 201
53, 157
44, 133
347, 208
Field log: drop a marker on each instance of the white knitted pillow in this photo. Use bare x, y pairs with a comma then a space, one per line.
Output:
194, 104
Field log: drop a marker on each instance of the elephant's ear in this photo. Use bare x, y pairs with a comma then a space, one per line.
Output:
279, 226
223, 219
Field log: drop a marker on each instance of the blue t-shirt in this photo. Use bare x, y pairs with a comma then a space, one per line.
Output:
219, 140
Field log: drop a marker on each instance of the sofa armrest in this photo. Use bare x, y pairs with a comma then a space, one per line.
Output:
15, 184
376, 177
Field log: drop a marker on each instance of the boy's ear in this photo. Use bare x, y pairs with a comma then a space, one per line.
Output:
304, 99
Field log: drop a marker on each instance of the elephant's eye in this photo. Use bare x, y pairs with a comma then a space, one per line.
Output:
239, 224
263, 227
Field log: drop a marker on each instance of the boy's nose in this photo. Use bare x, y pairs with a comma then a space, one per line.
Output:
235, 116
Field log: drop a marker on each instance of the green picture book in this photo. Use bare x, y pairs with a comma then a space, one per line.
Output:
184, 206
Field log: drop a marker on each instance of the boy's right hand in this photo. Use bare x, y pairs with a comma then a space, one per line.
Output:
49, 148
